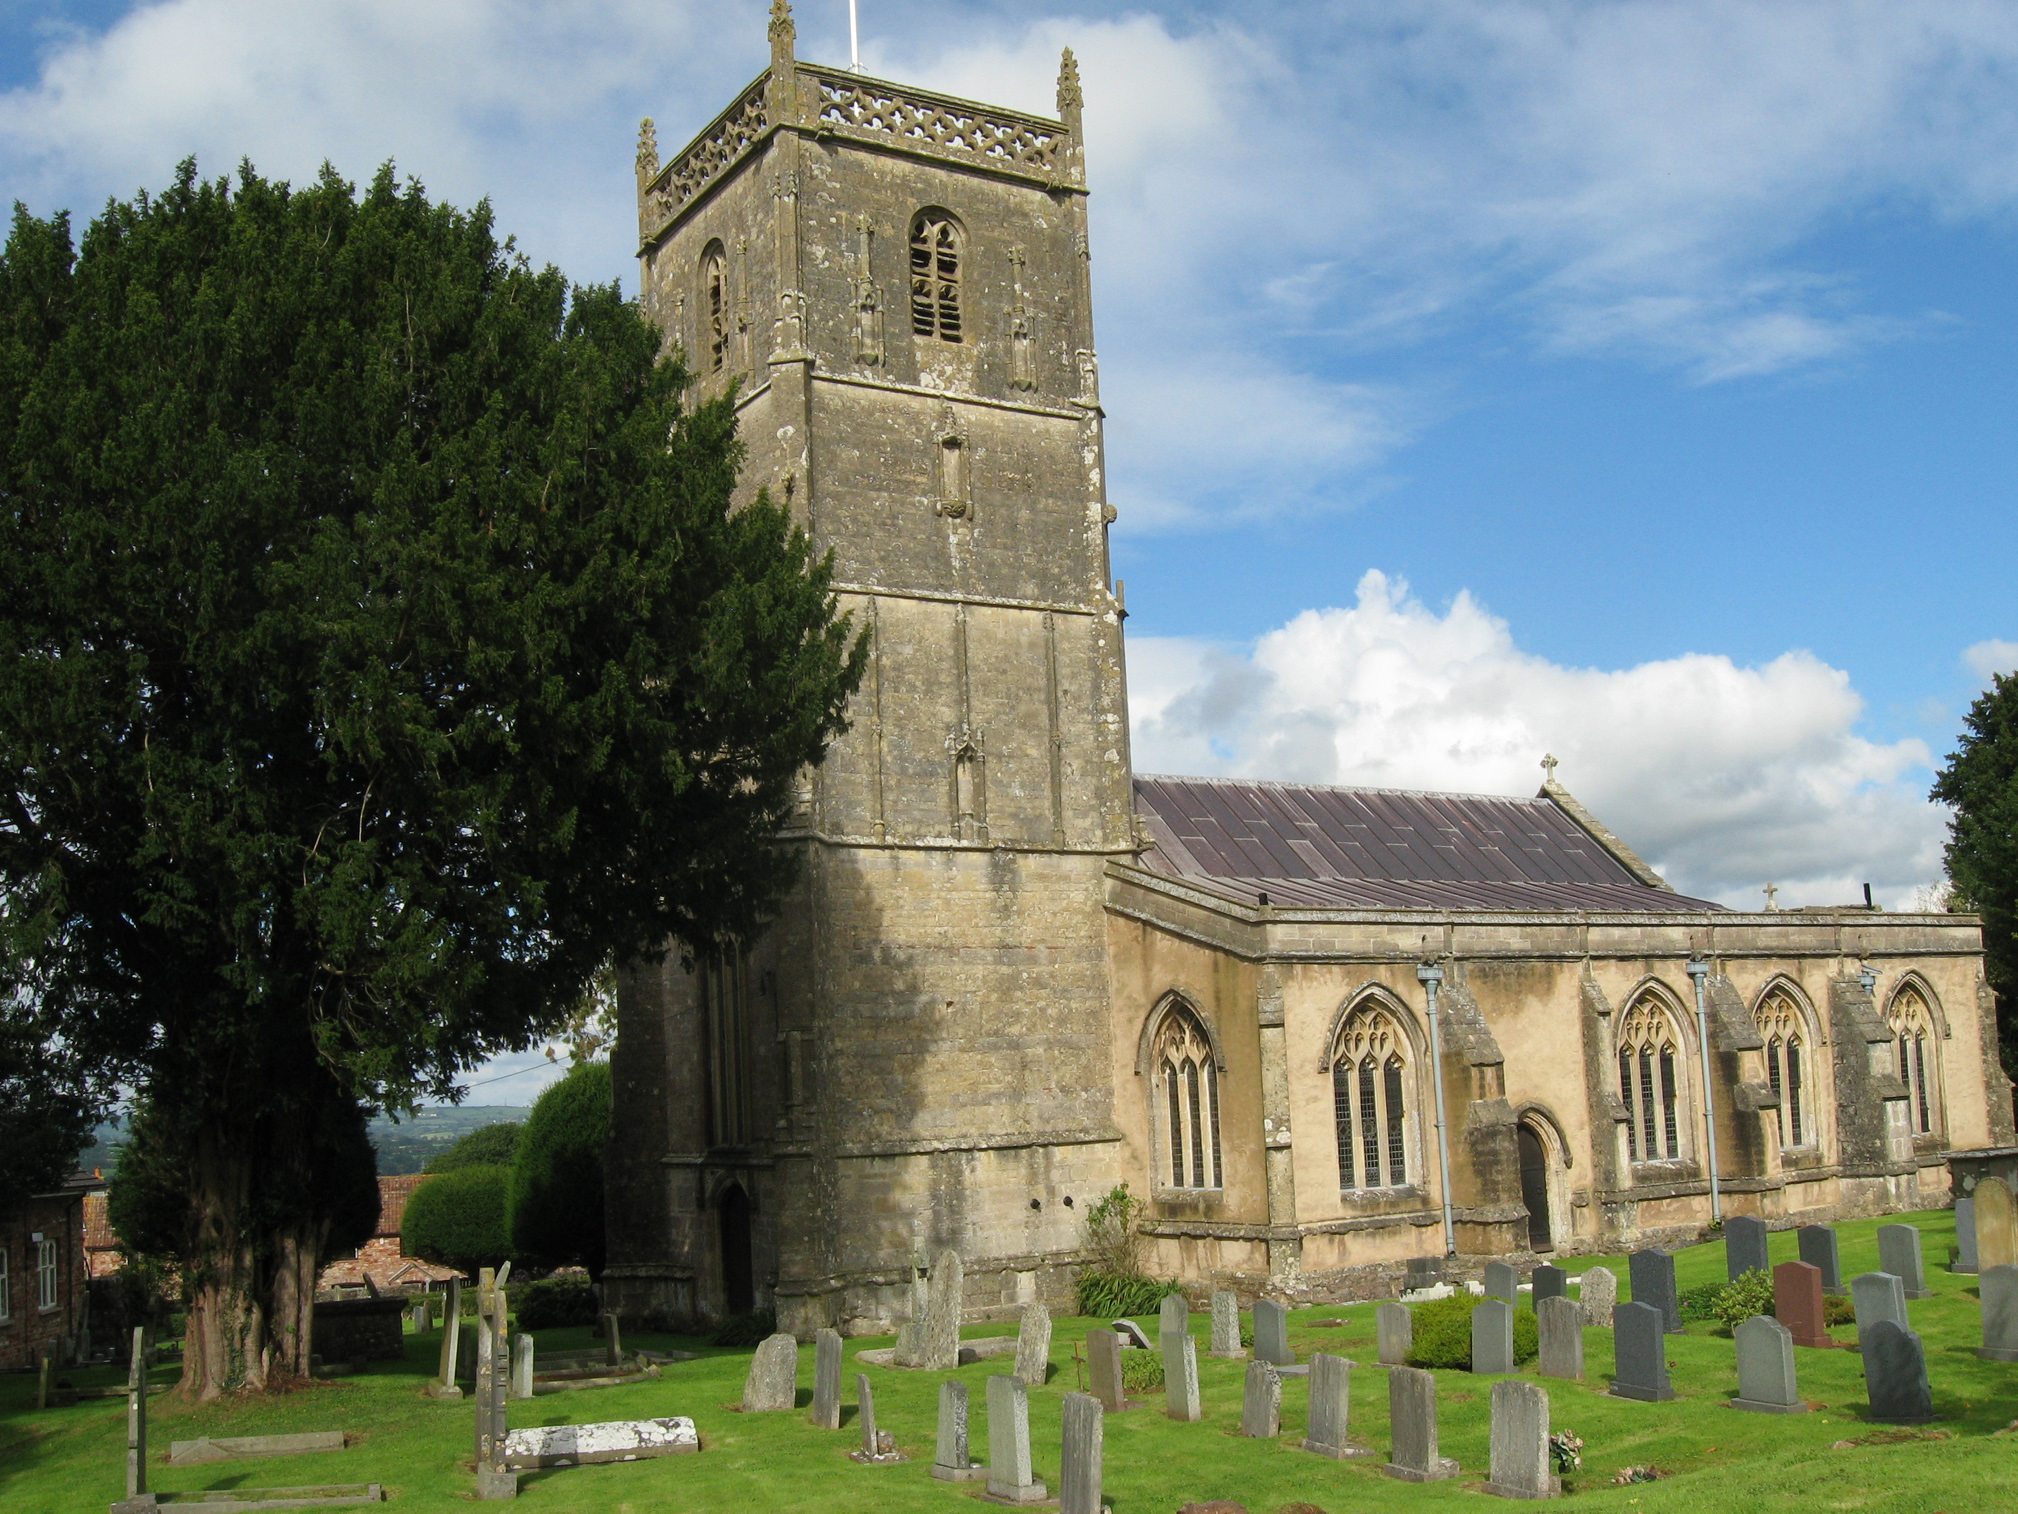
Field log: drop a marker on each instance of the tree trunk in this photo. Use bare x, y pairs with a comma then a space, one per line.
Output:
292, 1327
224, 1347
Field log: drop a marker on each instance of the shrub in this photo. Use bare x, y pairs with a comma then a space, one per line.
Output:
1442, 1334
491, 1145
554, 1302
1108, 1295
1141, 1371
751, 1329
458, 1219
1837, 1310
557, 1175
1748, 1294
1699, 1303
1111, 1235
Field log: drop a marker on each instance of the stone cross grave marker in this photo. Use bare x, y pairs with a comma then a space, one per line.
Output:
1899, 1254
1180, 1377
1998, 1289
1641, 1351
1996, 1225
1033, 1345
1271, 1333
493, 1359
444, 1384
1261, 1403
1502, 1281
1080, 1456
1226, 1326
951, 1461
1520, 1443
1598, 1293
1798, 1304
1173, 1315
1766, 1367
1653, 1279
1394, 1325
1877, 1296
1560, 1326
1819, 1250
773, 1383
1411, 1413
939, 1344
1009, 1475
1103, 1369
1744, 1246
1895, 1376
1327, 1428
1549, 1282
1492, 1347
1965, 1236
522, 1367
826, 1379
613, 1340
136, 1416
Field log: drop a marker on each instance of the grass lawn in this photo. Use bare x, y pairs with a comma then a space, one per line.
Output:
69, 1461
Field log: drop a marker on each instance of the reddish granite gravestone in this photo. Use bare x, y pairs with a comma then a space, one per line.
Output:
1798, 1303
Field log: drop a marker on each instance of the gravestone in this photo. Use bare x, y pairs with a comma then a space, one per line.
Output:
1395, 1326
493, 1370
827, 1379
1998, 1287
1520, 1443
1326, 1429
1895, 1376
613, 1340
420, 1316
1502, 1281
1226, 1326
939, 1340
1766, 1367
1180, 1377
1744, 1246
910, 1347
879, 1447
1492, 1348
1033, 1345
1173, 1316
1131, 1334
1261, 1403
1819, 1250
952, 1461
1271, 1333
1899, 1254
1549, 1281
1560, 1326
1877, 1296
1411, 1414
1598, 1294
1009, 1475
1653, 1278
1080, 1456
136, 1416
1996, 1226
1798, 1304
773, 1382
522, 1367
1640, 1347
608, 1441
444, 1384
1103, 1369
1965, 1237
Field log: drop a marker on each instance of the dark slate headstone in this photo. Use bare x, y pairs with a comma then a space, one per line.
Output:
1492, 1347
1745, 1246
1797, 1304
1998, 1288
1766, 1367
1549, 1282
1653, 1282
1965, 1236
1818, 1249
1877, 1296
1895, 1376
1394, 1326
1502, 1281
1271, 1333
1899, 1254
1640, 1346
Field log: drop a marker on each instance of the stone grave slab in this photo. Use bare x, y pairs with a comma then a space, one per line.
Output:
1895, 1376
1653, 1278
188, 1453
1766, 1383
256, 1500
773, 1383
1180, 1377
1998, 1290
951, 1460
1173, 1314
827, 1353
1131, 1334
1033, 1345
1502, 1281
1103, 1369
1492, 1347
1327, 1429
1965, 1237
1411, 1410
1226, 1326
1640, 1347
1009, 1476
1877, 1296
1560, 1328
879, 1447
1798, 1304
1080, 1455
1744, 1246
1261, 1402
1996, 1224
611, 1440
1394, 1325
1271, 1333
1520, 1443
1899, 1254
1598, 1295
522, 1367
939, 1341
1820, 1250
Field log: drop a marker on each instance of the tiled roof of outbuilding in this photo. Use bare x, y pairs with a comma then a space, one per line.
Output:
1311, 846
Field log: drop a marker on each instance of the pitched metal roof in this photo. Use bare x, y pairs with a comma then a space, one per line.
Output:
1310, 846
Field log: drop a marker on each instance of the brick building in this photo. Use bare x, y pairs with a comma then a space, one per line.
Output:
44, 1303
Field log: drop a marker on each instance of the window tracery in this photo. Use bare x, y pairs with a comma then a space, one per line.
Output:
1912, 1034
935, 276
1650, 1082
1369, 1100
1186, 1102
1785, 1031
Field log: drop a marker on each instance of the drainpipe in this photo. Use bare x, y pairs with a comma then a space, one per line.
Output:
1428, 974
1698, 970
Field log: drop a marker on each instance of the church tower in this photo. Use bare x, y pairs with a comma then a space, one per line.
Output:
917, 1053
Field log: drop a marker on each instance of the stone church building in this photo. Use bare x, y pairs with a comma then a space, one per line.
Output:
1016, 973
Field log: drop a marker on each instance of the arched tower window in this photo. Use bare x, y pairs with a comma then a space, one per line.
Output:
1912, 1039
935, 276
1186, 1102
1650, 1082
715, 306
1369, 1081
1788, 1063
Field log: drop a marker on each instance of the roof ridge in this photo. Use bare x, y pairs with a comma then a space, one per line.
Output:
1339, 788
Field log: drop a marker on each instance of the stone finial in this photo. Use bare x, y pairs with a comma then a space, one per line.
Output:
648, 151
782, 32
1070, 99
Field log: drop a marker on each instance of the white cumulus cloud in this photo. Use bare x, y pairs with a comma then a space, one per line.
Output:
1986, 659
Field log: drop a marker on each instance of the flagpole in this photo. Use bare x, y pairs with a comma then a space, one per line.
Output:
854, 40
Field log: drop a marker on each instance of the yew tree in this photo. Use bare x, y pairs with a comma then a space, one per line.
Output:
1980, 784
380, 654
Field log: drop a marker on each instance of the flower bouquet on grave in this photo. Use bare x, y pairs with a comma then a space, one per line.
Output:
1566, 1451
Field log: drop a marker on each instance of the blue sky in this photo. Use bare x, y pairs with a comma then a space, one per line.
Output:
1632, 381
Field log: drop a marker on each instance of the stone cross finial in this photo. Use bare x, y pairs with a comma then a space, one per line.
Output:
1771, 891
782, 32
648, 151
1070, 99
1549, 765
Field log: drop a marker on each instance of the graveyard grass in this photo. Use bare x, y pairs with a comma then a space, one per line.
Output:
71, 1461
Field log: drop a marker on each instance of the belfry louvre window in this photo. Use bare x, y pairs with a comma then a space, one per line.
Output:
1912, 1038
935, 277
1369, 1102
715, 306
1650, 1083
1186, 1103
1784, 1030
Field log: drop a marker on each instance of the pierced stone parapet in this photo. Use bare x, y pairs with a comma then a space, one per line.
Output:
938, 124
705, 159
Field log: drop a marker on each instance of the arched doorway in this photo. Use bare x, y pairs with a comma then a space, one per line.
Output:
739, 1286
1535, 1188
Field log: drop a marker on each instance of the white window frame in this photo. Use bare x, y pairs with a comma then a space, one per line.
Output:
48, 1279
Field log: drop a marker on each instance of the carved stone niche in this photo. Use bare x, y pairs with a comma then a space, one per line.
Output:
952, 469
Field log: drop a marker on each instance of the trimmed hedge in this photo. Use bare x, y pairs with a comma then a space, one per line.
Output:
554, 1302
458, 1219
557, 1176
1442, 1336
492, 1145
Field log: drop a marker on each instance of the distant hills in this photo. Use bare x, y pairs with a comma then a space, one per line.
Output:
403, 1145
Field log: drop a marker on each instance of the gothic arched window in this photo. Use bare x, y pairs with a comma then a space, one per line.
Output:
935, 275
715, 306
1185, 1107
1650, 1082
1788, 1063
1369, 1079
1912, 1038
